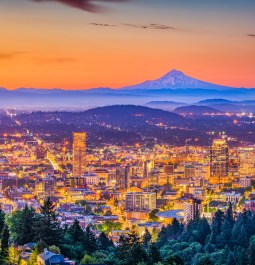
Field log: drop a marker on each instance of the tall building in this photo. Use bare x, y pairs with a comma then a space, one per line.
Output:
247, 161
79, 153
123, 177
140, 201
219, 159
192, 209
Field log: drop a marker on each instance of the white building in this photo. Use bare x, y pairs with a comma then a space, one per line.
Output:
140, 201
192, 208
245, 182
91, 178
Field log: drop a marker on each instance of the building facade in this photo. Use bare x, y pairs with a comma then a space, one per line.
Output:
79, 153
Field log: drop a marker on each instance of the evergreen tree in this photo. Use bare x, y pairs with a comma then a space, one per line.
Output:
154, 254
146, 238
104, 242
174, 260
2, 223
89, 241
47, 227
76, 232
252, 251
216, 227
5, 243
204, 230
231, 259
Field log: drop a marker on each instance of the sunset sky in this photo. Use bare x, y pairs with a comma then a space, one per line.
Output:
69, 45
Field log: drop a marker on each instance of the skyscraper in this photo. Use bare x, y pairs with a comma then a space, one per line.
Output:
219, 159
79, 153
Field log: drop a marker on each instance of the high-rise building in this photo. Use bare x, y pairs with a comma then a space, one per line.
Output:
247, 161
192, 209
219, 159
79, 153
123, 177
140, 201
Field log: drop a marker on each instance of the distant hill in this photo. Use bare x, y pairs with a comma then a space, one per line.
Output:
165, 103
196, 110
215, 101
116, 115
229, 105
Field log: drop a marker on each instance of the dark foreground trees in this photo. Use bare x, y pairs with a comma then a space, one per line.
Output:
228, 240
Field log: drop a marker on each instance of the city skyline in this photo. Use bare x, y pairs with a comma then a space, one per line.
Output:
50, 44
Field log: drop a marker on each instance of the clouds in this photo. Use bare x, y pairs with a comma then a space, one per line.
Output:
85, 5
151, 26
103, 25
136, 26
9, 55
251, 35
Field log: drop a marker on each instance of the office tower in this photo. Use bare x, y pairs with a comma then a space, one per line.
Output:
219, 159
79, 153
123, 177
192, 209
140, 201
147, 167
247, 161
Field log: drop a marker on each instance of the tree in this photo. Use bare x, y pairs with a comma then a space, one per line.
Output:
54, 249
47, 226
174, 260
76, 233
154, 254
231, 259
2, 223
204, 230
146, 238
87, 259
216, 227
13, 256
89, 242
252, 251
203, 259
104, 242
5, 243
21, 225
153, 216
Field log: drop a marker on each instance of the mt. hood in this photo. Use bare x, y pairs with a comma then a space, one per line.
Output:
175, 79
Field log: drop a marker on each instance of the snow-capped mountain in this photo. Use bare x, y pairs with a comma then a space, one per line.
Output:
175, 79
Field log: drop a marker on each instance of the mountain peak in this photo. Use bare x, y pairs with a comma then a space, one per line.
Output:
175, 72
173, 80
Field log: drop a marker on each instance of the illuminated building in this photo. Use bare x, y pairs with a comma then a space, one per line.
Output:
140, 201
122, 177
219, 159
192, 209
79, 153
247, 161
189, 171
148, 166
245, 182
40, 152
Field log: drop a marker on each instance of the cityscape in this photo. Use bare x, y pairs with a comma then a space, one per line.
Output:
98, 166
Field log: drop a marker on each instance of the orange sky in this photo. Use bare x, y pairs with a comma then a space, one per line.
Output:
49, 45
